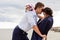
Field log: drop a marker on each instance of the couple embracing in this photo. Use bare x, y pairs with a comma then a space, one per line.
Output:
29, 21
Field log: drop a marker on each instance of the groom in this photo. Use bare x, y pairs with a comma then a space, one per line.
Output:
28, 22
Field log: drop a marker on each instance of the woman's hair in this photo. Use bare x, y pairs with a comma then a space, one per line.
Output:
48, 11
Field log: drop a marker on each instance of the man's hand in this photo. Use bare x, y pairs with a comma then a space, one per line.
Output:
44, 37
35, 28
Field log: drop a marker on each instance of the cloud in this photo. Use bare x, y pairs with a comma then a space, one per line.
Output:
10, 14
20, 4
11, 10
56, 15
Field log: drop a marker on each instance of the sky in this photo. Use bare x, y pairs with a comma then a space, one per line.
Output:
13, 10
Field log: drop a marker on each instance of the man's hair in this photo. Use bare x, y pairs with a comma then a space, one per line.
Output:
39, 5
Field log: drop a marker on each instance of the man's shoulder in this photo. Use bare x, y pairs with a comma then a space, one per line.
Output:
30, 13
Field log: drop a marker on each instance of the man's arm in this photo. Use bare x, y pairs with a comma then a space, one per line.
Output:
35, 28
33, 24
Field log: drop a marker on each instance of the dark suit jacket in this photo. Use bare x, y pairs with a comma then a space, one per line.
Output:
44, 26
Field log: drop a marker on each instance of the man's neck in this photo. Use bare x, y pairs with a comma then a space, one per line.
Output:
36, 12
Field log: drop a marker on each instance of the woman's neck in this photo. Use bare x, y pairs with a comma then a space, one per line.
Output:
46, 16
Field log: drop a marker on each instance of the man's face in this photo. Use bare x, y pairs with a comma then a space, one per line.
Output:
39, 10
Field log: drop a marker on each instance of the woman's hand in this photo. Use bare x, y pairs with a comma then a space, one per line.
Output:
39, 16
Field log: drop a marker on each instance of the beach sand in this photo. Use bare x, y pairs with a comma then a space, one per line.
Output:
6, 34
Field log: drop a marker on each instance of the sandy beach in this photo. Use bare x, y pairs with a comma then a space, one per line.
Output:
6, 34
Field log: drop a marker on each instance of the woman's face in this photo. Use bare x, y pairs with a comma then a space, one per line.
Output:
44, 13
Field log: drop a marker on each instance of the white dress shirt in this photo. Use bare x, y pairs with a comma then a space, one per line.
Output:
28, 20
